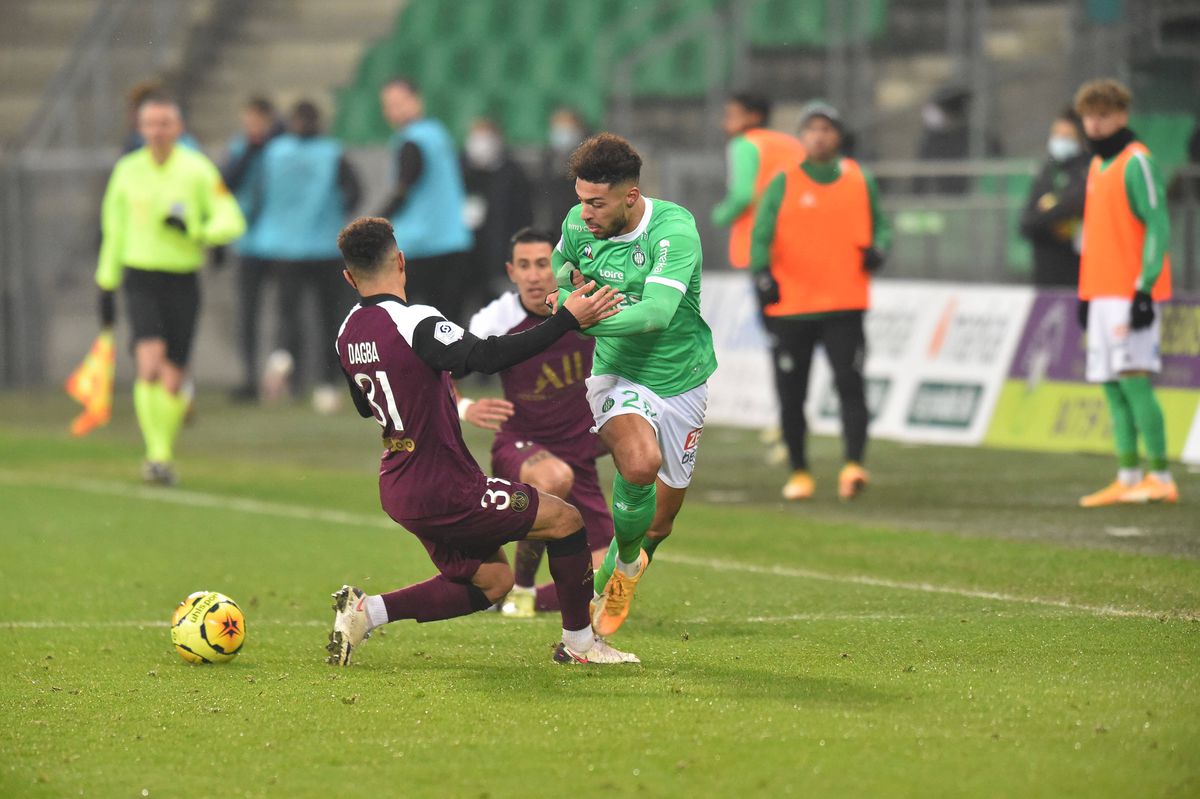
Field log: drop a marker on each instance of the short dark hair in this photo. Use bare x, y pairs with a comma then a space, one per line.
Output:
754, 103
531, 235
306, 118
366, 244
1067, 114
605, 158
402, 82
260, 104
157, 97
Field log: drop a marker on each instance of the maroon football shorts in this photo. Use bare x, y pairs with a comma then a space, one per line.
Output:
460, 541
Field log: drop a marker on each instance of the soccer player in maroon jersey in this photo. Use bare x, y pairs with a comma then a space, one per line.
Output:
544, 422
398, 359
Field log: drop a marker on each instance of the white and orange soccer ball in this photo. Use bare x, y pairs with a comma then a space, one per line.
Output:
208, 627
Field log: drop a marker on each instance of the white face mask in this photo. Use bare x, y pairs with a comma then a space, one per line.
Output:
1063, 148
483, 149
565, 137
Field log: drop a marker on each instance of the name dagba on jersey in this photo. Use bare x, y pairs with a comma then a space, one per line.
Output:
362, 352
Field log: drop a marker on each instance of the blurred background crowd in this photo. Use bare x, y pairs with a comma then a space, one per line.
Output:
959, 107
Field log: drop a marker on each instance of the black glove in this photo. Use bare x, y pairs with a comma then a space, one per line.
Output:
1081, 313
1141, 312
176, 222
108, 308
219, 256
766, 288
873, 259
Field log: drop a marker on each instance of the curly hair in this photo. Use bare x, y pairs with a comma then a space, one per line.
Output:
366, 244
606, 158
1102, 95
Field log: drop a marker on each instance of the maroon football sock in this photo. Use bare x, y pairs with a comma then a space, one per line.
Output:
526, 562
546, 598
571, 568
435, 599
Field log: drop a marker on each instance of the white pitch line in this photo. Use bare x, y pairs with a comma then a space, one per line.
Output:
926, 588
219, 502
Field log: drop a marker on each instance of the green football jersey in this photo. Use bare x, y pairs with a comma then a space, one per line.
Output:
659, 340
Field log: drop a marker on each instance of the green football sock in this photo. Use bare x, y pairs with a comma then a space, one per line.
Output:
1148, 416
633, 510
1124, 430
146, 408
171, 410
651, 544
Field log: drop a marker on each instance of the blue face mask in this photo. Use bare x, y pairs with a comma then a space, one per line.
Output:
1063, 148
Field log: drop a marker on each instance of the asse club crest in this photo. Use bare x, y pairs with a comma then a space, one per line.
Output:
639, 257
607, 406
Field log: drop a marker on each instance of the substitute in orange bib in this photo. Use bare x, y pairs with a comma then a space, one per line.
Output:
818, 235
756, 155
1124, 273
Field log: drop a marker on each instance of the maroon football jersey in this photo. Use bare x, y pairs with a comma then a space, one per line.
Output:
547, 391
426, 469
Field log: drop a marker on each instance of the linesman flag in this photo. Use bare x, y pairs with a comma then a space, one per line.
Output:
91, 385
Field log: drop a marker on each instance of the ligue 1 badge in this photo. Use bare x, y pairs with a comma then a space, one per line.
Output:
639, 257
587, 251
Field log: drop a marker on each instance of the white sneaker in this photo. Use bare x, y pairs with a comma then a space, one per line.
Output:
351, 625
600, 653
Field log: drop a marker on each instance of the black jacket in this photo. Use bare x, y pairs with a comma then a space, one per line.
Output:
1052, 218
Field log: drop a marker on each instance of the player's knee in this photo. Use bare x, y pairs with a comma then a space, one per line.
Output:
643, 470
494, 581
555, 477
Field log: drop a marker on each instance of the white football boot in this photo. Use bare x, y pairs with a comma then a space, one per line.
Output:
600, 654
351, 625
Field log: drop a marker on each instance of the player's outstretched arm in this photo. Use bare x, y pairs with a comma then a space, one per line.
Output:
653, 312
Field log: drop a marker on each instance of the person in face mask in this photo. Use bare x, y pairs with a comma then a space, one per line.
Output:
556, 193
499, 200
1053, 213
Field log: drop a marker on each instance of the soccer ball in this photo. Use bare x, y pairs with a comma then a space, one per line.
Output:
208, 627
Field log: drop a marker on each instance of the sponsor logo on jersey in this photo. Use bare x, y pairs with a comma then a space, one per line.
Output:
639, 257
362, 352
587, 251
447, 332
664, 247
576, 226
808, 200
690, 444
520, 501
611, 274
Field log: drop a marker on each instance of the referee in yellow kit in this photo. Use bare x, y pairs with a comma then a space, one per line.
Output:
164, 204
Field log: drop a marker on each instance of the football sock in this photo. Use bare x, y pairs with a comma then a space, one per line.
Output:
607, 567
171, 410
1124, 430
433, 600
1129, 476
546, 598
146, 409
633, 510
376, 610
526, 561
1164, 476
571, 568
1148, 416
579, 640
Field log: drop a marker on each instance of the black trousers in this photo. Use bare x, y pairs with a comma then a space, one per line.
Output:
163, 305
438, 281
793, 340
253, 274
323, 281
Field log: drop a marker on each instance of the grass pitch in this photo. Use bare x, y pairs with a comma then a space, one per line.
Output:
962, 630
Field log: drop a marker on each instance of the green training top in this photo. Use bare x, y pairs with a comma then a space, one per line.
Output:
141, 194
743, 174
767, 215
658, 340
1147, 200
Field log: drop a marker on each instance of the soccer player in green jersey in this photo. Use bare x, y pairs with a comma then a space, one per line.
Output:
648, 391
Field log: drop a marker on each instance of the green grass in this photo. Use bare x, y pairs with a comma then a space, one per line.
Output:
962, 630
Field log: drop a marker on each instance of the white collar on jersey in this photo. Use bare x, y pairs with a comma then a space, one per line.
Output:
637, 232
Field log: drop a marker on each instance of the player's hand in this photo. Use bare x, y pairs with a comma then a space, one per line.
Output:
1141, 311
176, 222
872, 259
766, 287
576, 278
489, 413
589, 309
552, 301
1081, 313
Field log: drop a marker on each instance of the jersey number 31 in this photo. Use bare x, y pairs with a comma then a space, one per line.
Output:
367, 384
